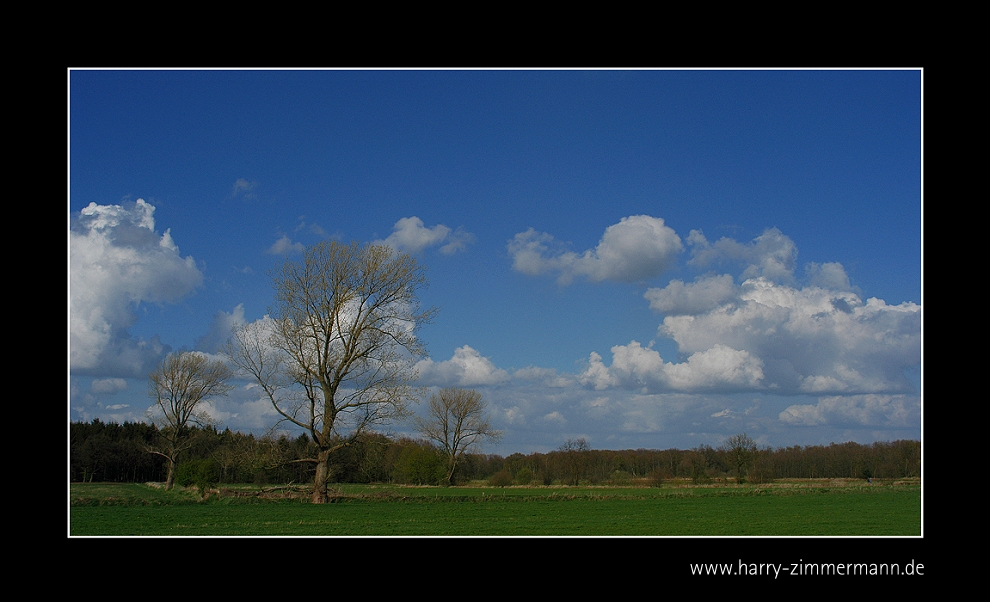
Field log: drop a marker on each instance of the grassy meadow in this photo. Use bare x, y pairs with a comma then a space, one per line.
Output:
794, 509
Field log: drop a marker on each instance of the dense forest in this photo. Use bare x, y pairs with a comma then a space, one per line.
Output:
111, 452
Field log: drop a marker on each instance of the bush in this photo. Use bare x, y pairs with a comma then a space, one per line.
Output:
419, 465
655, 478
201, 472
524, 476
620, 478
502, 478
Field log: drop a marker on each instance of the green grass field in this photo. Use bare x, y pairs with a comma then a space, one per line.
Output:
141, 510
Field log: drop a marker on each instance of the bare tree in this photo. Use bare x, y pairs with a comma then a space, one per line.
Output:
179, 386
336, 355
573, 461
739, 451
456, 420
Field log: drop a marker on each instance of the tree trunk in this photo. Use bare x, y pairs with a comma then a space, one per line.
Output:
451, 466
320, 480
170, 476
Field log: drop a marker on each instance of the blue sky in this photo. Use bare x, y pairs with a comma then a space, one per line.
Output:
642, 258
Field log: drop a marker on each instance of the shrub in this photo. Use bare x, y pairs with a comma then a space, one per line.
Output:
655, 478
620, 477
419, 465
502, 478
201, 472
524, 476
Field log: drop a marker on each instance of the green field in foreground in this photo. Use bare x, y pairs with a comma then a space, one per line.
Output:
140, 510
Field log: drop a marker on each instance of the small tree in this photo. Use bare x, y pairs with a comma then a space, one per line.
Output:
456, 421
179, 386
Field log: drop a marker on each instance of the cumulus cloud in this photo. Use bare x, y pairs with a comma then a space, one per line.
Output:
701, 296
857, 411
720, 367
810, 339
637, 248
411, 235
636, 367
771, 255
467, 368
285, 246
768, 333
117, 261
597, 374
828, 275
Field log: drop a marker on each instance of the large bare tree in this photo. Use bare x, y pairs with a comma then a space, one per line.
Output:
457, 420
336, 354
179, 386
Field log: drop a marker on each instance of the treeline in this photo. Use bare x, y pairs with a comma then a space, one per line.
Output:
111, 452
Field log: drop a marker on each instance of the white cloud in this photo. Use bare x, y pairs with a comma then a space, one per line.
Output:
641, 368
513, 416
108, 385
811, 339
637, 248
285, 246
597, 374
467, 368
828, 275
855, 411
720, 367
545, 376
767, 335
705, 294
771, 255
246, 407
410, 235
117, 261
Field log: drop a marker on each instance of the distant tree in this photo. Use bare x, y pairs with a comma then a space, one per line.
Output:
739, 451
579, 445
179, 386
572, 461
456, 421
